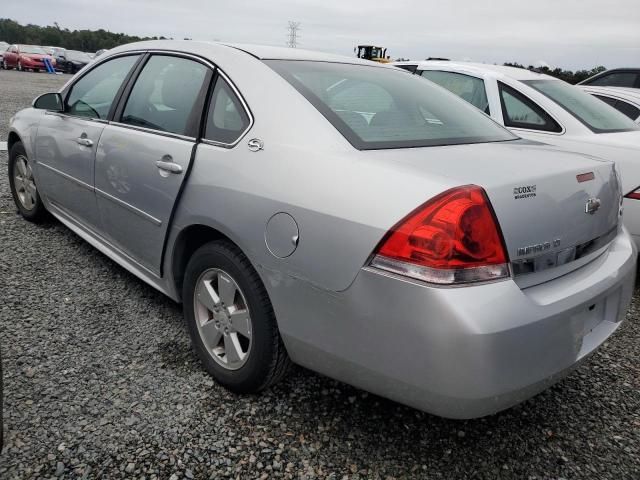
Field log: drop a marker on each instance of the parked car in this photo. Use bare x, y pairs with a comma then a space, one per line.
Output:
625, 100
542, 108
55, 51
357, 220
616, 77
72, 61
3, 48
26, 57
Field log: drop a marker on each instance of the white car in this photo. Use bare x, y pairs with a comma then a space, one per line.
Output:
542, 108
625, 100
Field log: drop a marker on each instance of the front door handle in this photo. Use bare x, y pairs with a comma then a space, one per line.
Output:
168, 166
84, 141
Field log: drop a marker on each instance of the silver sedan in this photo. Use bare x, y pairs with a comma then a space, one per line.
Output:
335, 213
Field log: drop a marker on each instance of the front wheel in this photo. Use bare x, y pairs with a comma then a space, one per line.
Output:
231, 321
23, 185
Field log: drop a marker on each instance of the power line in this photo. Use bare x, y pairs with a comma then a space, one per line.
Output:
292, 36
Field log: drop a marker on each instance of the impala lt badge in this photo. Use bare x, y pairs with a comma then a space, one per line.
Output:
592, 205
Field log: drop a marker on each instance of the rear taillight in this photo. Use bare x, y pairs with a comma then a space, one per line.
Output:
635, 194
453, 238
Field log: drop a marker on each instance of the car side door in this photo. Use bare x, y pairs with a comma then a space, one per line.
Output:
11, 56
66, 141
144, 155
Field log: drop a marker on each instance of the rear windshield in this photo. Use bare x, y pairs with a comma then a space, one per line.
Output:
376, 107
595, 114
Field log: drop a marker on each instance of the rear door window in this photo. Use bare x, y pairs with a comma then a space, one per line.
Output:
468, 88
93, 94
165, 95
227, 120
518, 111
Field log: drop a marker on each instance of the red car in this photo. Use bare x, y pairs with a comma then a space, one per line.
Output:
26, 57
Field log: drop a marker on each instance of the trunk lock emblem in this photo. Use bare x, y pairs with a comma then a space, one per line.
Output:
592, 205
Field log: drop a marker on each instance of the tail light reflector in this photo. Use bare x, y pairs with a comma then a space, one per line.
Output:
453, 238
635, 194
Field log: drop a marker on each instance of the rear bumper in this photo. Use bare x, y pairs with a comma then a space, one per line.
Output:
461, 352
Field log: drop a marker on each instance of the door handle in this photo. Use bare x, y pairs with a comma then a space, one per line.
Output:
170, 167
84, 141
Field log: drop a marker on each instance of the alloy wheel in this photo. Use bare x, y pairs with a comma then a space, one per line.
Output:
222, 318
24, 183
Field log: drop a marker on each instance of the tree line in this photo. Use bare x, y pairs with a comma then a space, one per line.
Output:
566, 75
84, 40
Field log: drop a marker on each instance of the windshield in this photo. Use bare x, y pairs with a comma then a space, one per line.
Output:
78, 56
32, 49
595, 114
376, 107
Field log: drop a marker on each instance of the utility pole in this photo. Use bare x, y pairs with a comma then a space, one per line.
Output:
292, 36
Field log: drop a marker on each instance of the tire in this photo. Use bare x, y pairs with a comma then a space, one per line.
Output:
20, 69
23, 187
266, 360
36, 70
6, 66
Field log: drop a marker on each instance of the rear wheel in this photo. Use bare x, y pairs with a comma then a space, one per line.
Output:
23, 185
231, 321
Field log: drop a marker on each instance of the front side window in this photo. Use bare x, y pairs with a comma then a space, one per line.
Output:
518, 111
93, 95
377, 107
596, 115
227, 119
616, 79
466, 87
165, 94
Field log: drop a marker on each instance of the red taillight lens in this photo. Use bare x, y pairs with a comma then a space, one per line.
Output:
635, 194
453, 238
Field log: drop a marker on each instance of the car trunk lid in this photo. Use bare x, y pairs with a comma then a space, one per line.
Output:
556, 209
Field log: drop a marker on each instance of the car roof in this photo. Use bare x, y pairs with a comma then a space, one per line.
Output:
480, 68
262, 52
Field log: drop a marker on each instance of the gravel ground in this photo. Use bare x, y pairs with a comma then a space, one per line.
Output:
100, 382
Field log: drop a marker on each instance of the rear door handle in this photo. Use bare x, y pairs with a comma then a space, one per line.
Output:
168, 166
84, 141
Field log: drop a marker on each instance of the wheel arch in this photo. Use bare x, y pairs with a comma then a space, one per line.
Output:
12, 140
188, 240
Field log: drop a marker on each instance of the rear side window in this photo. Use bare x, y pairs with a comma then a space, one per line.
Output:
616, 79
227, 119
518, 111
466, 87
165, 95
93, 95
377, 107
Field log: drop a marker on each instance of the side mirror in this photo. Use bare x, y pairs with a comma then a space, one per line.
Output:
49, 101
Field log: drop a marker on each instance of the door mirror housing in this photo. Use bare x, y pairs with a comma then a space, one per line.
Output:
49, 101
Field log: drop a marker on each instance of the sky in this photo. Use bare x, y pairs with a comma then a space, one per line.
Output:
571, 34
